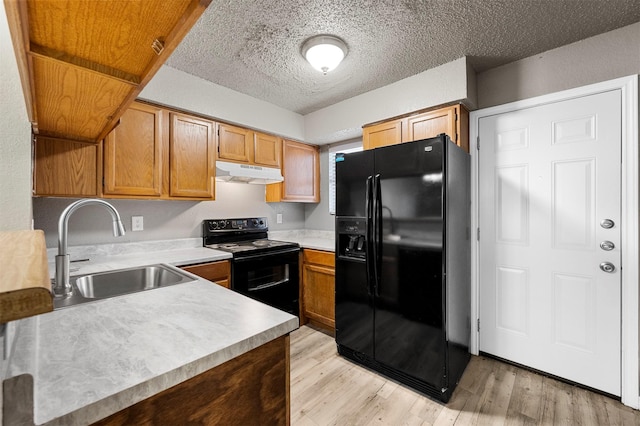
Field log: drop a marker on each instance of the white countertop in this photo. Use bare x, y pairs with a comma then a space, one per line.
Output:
307, 238
92, 360
108, 257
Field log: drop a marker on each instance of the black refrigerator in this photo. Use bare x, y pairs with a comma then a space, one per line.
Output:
403, 262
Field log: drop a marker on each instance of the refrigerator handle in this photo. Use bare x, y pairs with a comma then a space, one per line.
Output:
368, 234
377, 233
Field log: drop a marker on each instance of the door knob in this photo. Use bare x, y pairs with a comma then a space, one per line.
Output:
607, 245
607, 223
607, 267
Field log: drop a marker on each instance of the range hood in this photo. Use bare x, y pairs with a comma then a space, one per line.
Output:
246, 173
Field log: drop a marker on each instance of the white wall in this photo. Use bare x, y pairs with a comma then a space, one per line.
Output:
342, 121
163, 220
178, 89
15, 140
599, 58
317, 215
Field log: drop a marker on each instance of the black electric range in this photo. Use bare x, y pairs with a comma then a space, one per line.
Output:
263, 269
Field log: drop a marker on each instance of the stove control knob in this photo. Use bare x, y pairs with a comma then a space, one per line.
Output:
213, 225
255, 222
261, 222
223, 224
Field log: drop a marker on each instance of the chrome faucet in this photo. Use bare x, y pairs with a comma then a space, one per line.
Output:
62, 288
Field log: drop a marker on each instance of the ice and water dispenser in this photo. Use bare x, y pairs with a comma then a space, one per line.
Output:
351, 237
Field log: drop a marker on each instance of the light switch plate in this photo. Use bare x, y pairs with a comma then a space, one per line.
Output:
279, 218
137, 223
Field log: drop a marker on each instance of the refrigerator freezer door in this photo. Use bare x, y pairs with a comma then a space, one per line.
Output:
354, 298
352, 171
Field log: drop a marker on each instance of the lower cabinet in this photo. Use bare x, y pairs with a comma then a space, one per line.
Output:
218, 272
318, 288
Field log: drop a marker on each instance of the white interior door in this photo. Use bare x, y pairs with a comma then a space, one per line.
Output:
548, 177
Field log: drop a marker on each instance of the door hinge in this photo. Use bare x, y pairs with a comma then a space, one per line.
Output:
478, 143
478, 234
478, 325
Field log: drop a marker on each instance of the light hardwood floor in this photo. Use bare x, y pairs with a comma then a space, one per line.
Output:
327, 389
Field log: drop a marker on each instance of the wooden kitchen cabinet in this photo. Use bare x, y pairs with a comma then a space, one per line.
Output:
234, 143
191, 157
452, 120
82, 63
154, 153
267, 149
318, 287
241, 145
218, 272
301, 172
383, 134
66, 168
133, 153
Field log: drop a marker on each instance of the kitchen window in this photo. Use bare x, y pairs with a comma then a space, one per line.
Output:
333, 150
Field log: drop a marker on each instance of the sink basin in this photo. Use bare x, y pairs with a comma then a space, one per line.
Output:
102, 285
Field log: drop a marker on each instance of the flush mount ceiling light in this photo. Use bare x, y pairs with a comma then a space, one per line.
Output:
324, 52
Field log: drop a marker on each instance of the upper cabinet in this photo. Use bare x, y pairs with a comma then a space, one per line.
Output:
64, 168
83, 62
241, 145
191, 157
152, 154
234, 143
452, 120
301, 172
383, 134
133, 153
267, 149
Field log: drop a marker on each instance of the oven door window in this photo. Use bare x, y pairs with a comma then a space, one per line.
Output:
267, 276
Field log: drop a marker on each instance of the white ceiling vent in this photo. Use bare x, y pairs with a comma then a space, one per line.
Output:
245, 173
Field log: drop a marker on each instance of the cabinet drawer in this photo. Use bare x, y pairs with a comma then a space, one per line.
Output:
318, 257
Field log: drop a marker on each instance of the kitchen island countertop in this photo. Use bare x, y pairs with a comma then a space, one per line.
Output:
89, 361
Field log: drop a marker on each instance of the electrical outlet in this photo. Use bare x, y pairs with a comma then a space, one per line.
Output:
279, 218
137, 223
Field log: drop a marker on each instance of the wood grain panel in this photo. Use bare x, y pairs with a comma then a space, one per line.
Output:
383, 134
114, 33
133, 153
25, 287
301, 170
490, 392
432, 124
191, 157
234, 143
325, 258
252, 389
65, 168
318, 287
218, 272
71, 101
267, 149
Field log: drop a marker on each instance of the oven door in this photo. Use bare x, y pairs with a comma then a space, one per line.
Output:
271, 278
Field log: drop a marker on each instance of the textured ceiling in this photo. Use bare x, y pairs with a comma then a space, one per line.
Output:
253, 46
